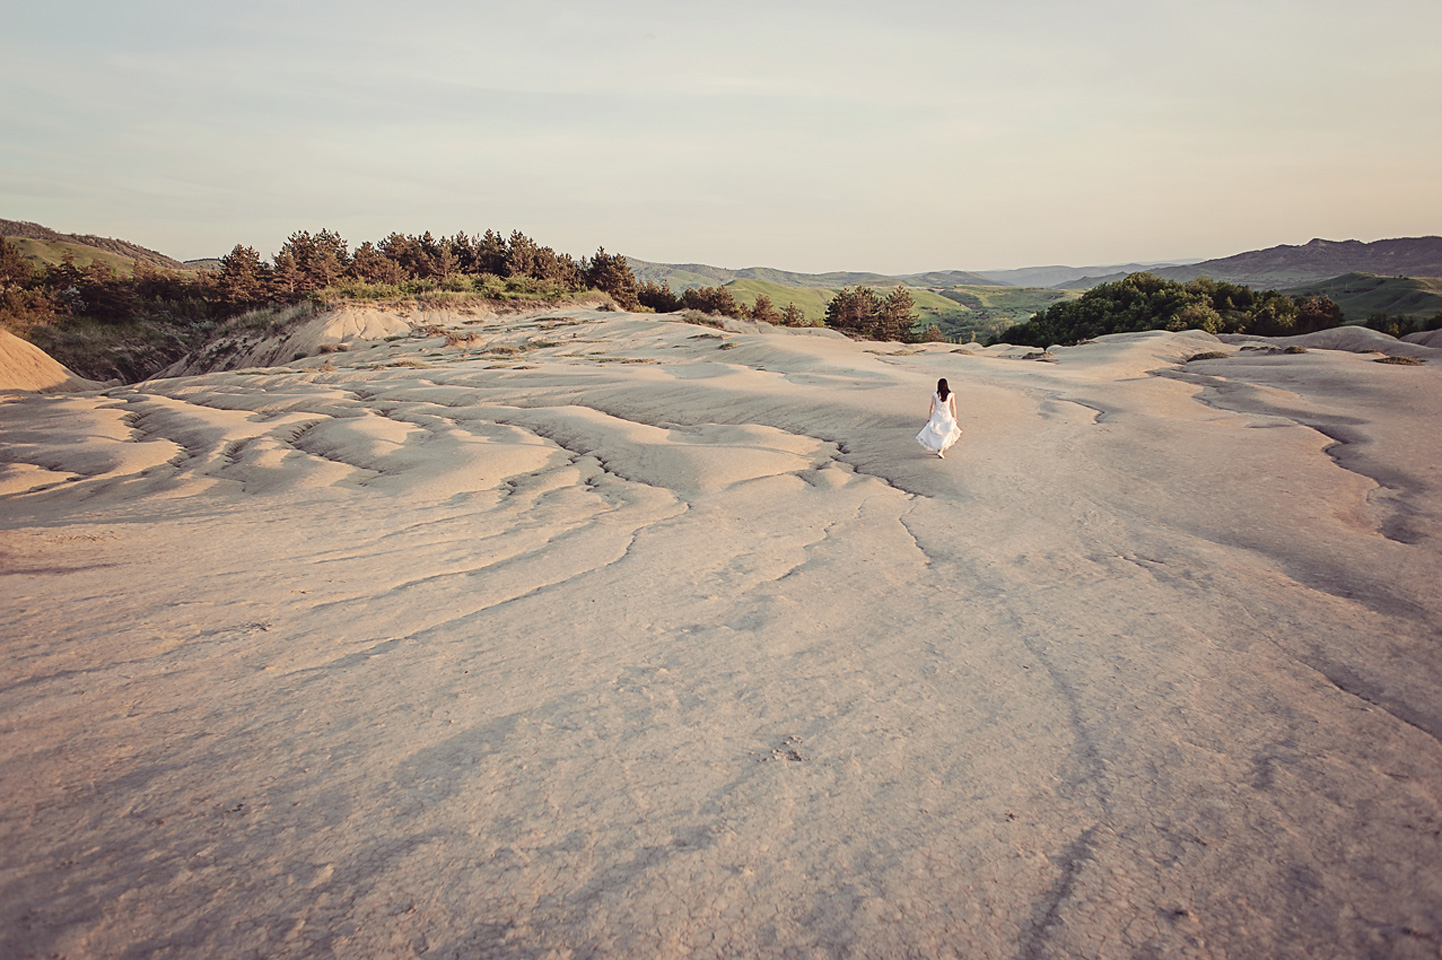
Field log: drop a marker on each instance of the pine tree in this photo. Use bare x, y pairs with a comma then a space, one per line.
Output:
520, 255
658, 298
15, 269
611, 273
854, 311
491, 254
896, 317
713, 300
241, 279
284, 276
763, 310
369, 265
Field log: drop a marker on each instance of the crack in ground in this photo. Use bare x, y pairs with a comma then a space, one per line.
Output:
1342, 451
1347, 682
1072, 859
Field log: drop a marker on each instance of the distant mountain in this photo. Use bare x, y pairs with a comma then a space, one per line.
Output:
682, 276
1310, 263
1059, 276
1323, 259
52, 240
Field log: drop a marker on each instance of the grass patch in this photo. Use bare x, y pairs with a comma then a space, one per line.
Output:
1402, 361
1209, 355
696, 316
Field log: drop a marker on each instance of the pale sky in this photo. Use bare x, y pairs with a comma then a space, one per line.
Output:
898, 137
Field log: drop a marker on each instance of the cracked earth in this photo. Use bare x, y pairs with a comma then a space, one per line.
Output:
619, 644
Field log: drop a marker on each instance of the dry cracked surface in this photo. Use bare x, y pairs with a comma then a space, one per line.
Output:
539, 650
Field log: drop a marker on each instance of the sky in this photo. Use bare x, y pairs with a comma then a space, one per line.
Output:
897, 137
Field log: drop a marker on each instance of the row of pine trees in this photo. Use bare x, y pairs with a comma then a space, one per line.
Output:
310, 264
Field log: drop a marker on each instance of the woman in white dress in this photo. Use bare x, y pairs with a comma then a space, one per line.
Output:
941, 430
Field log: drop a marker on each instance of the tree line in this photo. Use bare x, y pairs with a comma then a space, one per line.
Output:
1143, 301
306, 264
322, 265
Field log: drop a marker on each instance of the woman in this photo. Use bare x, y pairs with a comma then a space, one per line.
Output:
941, 430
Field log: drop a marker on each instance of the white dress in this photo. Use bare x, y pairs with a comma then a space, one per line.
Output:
941, 430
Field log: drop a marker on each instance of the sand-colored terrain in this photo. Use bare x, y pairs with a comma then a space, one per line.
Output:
26, 368
583, 634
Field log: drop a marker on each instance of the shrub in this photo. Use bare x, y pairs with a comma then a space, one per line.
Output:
658, 298
696, 316
714, 300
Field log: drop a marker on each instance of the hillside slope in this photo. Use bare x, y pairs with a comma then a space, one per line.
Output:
46, 243
1290, 266
682, 276
26, 368
1360, 295
961, 312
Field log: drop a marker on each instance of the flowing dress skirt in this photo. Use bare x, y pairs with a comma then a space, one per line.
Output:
941, 431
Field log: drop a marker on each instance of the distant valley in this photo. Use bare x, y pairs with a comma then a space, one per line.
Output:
1386, 276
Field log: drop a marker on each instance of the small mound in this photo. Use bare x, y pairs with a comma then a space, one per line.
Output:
1427, 338
1121, 355
24, 366
1350, 337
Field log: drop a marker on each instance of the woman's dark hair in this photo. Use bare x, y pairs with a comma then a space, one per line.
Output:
942, 390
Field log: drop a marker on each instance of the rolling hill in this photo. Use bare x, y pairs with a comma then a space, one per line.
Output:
682, 276
1062, 277
45, 245
1360, 295
962, 312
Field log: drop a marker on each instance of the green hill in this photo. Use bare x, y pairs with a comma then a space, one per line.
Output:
53, 252
1360, 295
811, 300
45, 246
962, 312
681, 276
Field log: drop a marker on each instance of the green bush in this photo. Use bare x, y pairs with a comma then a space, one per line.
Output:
1143, 301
